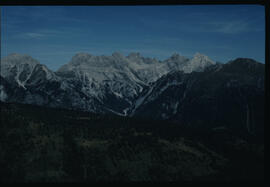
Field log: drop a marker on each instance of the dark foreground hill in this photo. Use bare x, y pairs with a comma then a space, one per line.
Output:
41, 144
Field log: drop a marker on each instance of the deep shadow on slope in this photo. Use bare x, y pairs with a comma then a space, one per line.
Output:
45, 145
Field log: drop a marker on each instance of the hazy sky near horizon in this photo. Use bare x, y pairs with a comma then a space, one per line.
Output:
53, 34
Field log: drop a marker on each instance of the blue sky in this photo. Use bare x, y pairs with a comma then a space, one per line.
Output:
53, 34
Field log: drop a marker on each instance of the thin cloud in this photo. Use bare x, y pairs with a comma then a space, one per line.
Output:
30, 35
48, 33
228, 27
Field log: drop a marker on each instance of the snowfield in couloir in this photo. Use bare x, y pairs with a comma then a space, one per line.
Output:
95, 83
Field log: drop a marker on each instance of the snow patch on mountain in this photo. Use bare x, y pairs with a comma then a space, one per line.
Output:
175, 107
198, 63
20, 62
3, 95
140, 101
88, 80
160, 91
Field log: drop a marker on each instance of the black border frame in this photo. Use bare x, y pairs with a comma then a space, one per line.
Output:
129, 2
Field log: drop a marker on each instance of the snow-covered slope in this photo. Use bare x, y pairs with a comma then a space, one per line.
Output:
206, 99
3, 95
101, 84
109, 79
187, 91
198, 63
23, 70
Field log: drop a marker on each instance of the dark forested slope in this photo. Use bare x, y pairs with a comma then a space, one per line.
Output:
44, 145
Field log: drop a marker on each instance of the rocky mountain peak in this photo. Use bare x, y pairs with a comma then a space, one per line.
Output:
122, 85
175, 56
16, 59
117, 55
198, 57
14, 63
245, 65
80, 57
134, 55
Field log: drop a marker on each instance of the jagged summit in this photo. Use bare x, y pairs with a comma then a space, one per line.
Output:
198, 54
17, 55
15, 63
117, 55
115, 83
175, 56
198, 57
134, 55
81, 57
14, 55
23, 70
144, 66
15, 58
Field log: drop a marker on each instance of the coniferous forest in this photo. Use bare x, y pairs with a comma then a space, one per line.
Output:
40, 144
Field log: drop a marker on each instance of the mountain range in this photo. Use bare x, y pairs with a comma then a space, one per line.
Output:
197, 92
